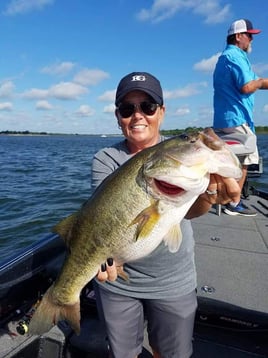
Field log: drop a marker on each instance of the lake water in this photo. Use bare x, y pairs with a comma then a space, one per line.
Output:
45, 178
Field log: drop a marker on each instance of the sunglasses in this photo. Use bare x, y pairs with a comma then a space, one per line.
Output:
127, 109
247, 34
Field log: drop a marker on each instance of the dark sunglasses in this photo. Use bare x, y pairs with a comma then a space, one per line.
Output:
247, 34
127, 109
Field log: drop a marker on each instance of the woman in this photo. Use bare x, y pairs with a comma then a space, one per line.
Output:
161, 286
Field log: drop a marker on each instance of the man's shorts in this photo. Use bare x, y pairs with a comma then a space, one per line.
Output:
252, 158
170, 323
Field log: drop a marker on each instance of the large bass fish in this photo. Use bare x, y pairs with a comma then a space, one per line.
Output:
130, 213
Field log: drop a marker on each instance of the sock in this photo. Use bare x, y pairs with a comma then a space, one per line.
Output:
233, 204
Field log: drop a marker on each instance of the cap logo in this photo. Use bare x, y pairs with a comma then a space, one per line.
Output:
138, 78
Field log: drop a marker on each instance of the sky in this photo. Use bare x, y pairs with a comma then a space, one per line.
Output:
61, 60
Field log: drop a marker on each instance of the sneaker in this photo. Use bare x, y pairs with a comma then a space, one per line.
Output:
243, 204
240, 209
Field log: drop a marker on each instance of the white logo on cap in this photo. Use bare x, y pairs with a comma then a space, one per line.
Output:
138, 78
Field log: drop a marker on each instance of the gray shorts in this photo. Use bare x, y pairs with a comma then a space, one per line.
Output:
252, 158
170, 323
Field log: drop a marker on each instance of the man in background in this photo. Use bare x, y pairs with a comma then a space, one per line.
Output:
234, 85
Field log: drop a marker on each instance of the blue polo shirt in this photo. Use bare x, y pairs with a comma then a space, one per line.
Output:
231, 107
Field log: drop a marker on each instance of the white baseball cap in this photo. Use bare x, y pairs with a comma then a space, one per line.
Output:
242, 25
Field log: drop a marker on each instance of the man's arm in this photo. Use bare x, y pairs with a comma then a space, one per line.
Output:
254, 85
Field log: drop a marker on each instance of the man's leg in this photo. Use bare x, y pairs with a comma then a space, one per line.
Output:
242, 180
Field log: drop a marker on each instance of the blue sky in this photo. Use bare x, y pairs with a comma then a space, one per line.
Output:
61, 60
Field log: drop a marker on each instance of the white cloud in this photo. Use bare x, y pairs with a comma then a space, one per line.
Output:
62, 91
187, 91
260, 68
109, 109
35, 93
58, 68
88, 77
207, 64
6, 89
182, 111
205, 114
43, 105
107, 96
67, 90
212, 11
85, 111
23, 6
162, 10
6, 106
165, 9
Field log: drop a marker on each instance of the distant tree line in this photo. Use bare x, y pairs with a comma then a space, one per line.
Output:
171, 132
261, 129
23, 133
166, 132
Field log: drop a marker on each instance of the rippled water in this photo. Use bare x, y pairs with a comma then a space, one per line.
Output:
45, 178
42, 180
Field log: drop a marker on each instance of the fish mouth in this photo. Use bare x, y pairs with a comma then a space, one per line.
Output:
168, 189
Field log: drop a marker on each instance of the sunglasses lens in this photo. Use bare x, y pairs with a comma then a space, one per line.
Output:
148, 108
127, 109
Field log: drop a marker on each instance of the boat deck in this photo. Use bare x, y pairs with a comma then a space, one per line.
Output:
232, 317
232, 270
232, 256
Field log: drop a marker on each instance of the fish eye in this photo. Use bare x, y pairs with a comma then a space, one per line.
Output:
184, 136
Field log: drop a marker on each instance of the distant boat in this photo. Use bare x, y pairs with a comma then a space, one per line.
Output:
103, 136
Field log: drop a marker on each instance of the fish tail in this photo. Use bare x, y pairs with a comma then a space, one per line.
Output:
49, 314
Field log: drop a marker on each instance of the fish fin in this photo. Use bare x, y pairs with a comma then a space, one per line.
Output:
146, 221
121, 273
48, 314
173, 238
64, 228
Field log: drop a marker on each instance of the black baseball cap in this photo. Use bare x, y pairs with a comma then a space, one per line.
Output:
141, 81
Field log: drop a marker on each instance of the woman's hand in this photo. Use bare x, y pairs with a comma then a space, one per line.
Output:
219, 191
222, 190
108, 271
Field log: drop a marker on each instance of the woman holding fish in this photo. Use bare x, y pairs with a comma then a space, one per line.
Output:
160, 287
